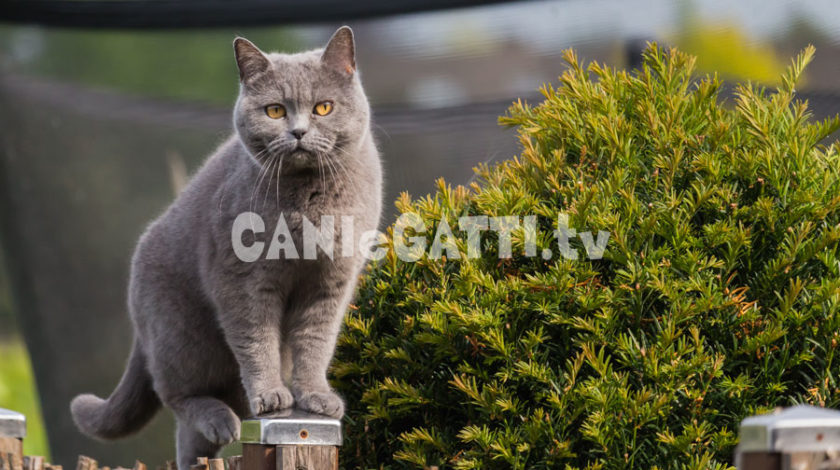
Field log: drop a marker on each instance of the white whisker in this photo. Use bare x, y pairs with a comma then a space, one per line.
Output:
260, 178
279, 169
270, 179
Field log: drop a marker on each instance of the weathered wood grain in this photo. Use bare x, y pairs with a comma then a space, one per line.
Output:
259, 457
307, 458
12, 449
234, 462
86, 463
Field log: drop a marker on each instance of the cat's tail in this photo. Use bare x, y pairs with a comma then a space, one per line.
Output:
131, 405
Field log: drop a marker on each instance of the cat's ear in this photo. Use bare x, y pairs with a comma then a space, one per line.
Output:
250, 60
340, 53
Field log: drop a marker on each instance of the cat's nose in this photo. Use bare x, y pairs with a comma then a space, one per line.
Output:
298, 133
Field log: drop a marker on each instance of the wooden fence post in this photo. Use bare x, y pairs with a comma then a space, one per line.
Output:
290, 440
12, 432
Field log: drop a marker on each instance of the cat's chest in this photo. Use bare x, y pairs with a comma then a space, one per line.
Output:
310, 194
312, 203
297, 219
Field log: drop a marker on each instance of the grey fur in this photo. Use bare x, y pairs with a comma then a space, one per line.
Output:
216, 338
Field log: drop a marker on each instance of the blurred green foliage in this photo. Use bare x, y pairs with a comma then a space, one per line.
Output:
7, 319
18, 393
725, 49
183, 65
17, 382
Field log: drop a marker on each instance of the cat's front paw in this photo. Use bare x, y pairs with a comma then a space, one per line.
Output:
326, 403
275, 399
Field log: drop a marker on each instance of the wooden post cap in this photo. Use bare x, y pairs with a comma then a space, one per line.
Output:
800, 428
292, 427
12, 424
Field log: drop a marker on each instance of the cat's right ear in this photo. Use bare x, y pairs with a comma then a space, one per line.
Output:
250, 60
340, 53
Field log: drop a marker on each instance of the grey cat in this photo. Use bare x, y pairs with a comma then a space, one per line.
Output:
218, 338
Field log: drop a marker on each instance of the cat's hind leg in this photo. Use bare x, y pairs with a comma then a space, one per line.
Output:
205, 424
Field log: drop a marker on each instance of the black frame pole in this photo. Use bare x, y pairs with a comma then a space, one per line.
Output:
184, 14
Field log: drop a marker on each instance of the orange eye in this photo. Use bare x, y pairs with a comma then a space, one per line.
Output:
275, 111
323, 108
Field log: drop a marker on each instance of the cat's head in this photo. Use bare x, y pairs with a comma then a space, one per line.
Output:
302, 107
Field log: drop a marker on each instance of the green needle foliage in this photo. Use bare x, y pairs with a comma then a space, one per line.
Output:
718, 296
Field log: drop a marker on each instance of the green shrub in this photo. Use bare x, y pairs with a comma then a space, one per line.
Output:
718, 295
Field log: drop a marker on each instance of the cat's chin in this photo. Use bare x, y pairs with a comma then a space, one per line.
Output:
300, 160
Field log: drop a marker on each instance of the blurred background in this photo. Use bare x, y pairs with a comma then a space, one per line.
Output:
101, 126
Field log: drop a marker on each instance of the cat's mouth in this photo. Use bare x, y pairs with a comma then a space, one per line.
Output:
300, 157
300, 148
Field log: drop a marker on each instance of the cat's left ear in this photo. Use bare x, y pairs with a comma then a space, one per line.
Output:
340, 53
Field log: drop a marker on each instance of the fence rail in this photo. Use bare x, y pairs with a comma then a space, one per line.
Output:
801, 438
